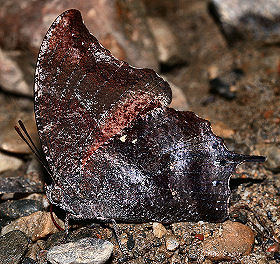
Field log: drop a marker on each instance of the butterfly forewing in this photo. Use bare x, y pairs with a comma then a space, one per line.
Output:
84, 95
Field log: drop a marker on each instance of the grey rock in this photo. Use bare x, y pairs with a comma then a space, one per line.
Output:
255, 20
272, 154
12, 247
17, 208
84, 251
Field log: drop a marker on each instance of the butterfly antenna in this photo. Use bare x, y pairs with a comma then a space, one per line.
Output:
33, 148
22, 126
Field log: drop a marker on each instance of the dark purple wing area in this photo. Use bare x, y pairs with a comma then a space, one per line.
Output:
167, 167
84, 96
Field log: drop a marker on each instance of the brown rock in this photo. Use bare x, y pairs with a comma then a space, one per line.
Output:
192, 27
221, 129
36, 226
10, 141
179, 100
159, 230
234, 240
34, 249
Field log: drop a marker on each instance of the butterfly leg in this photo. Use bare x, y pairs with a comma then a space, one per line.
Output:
66, 223
116, 232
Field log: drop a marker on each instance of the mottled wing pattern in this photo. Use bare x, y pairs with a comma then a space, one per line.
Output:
168, 167
84, 96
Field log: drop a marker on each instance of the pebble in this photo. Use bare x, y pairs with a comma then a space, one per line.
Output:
12, 78
272, 153
12, 247
179, 99
254, 20
36, 226
222, 130
171, 243
8, 162
159, 230
166, 42
18, 208
235, 240
84, 251
240, 216
34, 249
224, 85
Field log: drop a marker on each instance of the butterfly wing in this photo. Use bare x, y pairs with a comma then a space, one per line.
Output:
84, 96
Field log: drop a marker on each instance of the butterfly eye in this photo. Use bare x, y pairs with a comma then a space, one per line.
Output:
215, 145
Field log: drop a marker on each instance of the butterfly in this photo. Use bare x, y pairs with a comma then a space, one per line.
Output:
113, 147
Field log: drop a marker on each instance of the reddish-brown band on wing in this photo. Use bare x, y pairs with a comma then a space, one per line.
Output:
84, 96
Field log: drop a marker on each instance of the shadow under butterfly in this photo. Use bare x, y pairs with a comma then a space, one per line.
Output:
112, 146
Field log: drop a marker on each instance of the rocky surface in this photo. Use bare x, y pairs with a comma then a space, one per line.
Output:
249, 122
120, 26
36, 226
12, 247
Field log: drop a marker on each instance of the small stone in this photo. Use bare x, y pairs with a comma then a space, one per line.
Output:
179, 100
8, 162
221, 129
234, 241
84, 251
159, 230
254, 20
18, 208
175, 259
240, 216
12, 78
36, 226
12, 247
166, 42
224, 85
171, 243
130, 242
272, 153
